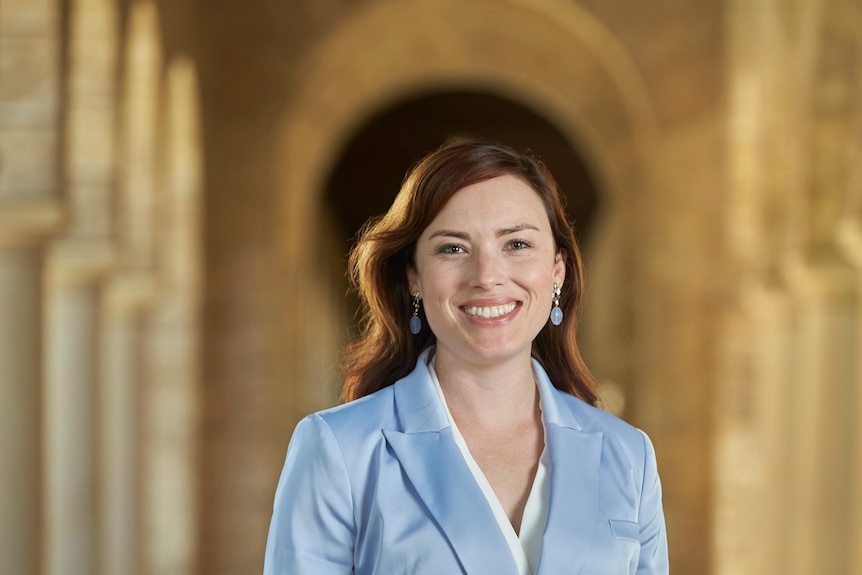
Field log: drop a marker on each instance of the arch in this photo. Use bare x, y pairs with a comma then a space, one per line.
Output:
549, 56
372, 165
346, 78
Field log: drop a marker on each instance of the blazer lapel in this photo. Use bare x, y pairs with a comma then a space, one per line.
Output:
426, 450
443, 481
575, 458
575, 467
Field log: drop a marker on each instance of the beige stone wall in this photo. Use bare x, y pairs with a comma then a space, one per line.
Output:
787, 459
171, 283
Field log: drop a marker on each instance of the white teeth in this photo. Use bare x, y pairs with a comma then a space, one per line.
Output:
489, 312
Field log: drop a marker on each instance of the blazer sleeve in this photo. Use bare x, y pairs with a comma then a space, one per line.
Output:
653, 535
312, 530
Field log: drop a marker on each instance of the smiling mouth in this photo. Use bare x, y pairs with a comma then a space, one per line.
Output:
491, 311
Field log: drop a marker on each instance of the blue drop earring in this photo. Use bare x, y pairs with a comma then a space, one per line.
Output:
415, 322
556, 312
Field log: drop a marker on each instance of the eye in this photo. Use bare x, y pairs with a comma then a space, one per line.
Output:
516, 245
451, 249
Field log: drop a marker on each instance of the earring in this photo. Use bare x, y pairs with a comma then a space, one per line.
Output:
415, 322
556, 312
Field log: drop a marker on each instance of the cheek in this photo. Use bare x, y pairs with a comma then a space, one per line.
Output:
442, 277
539, 277
437, 289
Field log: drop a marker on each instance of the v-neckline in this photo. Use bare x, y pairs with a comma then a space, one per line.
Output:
525, 545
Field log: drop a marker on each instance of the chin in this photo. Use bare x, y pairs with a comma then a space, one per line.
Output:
498, 352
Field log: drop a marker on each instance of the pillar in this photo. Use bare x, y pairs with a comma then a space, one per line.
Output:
171, 390
76, 263
29, 212
20, 413
121, 306
126, 298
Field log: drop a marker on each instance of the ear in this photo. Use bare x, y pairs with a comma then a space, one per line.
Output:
413, 279
560, 266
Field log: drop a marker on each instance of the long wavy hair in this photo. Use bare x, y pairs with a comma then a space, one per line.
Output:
384, 350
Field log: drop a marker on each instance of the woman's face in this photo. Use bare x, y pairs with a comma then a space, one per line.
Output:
485, 270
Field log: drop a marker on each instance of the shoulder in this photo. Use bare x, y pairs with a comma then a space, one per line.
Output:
616, 432
335, 442
566, 410
408, 403
368, 414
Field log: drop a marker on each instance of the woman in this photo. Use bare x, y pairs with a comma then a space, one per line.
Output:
470, 441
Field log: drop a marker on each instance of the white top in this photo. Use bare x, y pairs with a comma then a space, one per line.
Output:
526, 547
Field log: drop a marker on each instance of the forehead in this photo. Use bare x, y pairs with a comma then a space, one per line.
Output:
503, 200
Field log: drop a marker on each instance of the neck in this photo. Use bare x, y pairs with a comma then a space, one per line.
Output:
497, 394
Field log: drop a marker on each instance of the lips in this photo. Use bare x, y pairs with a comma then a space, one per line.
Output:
489, 312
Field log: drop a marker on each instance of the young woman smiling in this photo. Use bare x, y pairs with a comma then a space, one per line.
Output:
470, 441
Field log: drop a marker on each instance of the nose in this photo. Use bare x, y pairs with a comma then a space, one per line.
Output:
488, 269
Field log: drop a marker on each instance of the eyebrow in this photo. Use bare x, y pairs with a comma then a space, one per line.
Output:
500, 232
515, 229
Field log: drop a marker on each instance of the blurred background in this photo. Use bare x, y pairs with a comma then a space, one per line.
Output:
180, 181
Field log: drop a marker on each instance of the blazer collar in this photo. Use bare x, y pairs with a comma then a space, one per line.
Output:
426, 449
419, 408
555, 409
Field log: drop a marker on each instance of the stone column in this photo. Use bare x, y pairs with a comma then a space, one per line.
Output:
171, 391
76, 263
828, 295
851, 241
820, 392
747, 409
29, 212
20, 413
69, 427
127, 296
120, 373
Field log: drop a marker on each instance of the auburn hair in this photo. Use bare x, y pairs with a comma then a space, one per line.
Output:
384, 351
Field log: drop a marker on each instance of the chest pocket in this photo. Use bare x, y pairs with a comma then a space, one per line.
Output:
622, 529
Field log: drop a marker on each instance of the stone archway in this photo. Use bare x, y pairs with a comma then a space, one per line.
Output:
372, 163
346, 78
550, 56
555, 58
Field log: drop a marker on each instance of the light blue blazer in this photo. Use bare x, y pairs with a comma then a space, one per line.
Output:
378, 486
